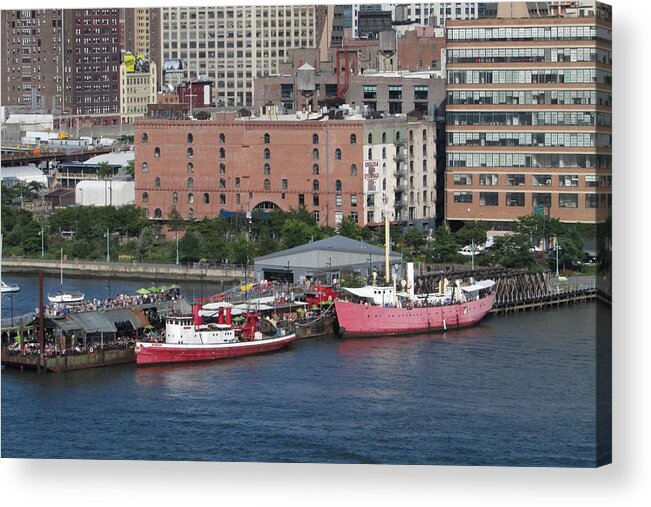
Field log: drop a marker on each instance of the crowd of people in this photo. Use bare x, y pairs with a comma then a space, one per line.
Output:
120, 301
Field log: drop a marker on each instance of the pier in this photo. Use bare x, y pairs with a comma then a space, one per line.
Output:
522, 290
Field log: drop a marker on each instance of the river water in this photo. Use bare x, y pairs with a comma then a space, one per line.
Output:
516, 390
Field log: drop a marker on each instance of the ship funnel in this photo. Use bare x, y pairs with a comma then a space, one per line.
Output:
410, 278
195, 314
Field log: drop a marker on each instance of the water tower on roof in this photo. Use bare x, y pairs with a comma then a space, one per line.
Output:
387, 57
306, 85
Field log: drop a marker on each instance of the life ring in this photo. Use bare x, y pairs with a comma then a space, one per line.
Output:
91, 350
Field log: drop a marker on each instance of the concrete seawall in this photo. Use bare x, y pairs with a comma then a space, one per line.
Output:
135, 270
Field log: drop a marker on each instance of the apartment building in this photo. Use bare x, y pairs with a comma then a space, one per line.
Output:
529, 119
232, 45
32, 59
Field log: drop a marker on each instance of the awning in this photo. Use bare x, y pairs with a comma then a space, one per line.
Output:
484, 284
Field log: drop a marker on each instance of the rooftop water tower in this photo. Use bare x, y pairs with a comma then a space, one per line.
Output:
387, 60
306, 85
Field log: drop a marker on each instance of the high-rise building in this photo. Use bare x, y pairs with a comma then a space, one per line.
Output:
232, 45
32, 59
92, 60
529, 118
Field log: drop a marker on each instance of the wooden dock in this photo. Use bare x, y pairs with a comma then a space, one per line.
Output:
558, 299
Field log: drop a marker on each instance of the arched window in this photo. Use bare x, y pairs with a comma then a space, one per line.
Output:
384, 137
338, 186
315, 185
190, 153
337, 154
397, 135
370, 139
157, 152
145, 167
267, 184
315, 138
384, 153
267, 139
315, 154
190, 183
190, 138
190, 198
267, 154
370, 153
157, 182
190, 167
158, 213
425, 180
144, 138
353, 139
146, 212
384, 184
222, 153
206, 198
222, 138
315, 169
353, 170
424, 135
222, 168
175, 198
190, 213
222, 182
145, 197
267, 170
222, 199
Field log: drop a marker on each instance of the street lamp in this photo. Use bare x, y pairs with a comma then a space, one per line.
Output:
108, 246
177, 247
42, 235
557, 247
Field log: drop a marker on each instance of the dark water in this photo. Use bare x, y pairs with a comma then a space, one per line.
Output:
516, 390
26, 300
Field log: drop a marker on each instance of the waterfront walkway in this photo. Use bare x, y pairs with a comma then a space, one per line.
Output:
135, 270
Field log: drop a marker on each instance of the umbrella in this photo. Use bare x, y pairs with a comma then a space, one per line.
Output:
149, 326
142, 291
325, 303
154, 289
300, 310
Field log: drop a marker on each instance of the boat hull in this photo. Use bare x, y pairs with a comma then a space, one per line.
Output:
360, 320
156, 353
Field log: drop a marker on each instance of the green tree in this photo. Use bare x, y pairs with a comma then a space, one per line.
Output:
145, 241
296, 232
129, 169
471, 232
175, 223
105, 172
415, 238
510, 251
445, 247
349, 228
190, 246
537, 228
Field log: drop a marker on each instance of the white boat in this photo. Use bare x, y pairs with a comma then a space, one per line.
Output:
65, 297
6, 288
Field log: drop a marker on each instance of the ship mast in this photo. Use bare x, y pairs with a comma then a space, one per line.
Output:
387, 243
